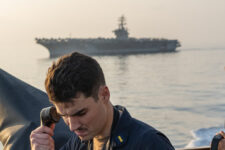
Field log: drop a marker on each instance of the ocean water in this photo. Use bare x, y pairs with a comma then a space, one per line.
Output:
181, 94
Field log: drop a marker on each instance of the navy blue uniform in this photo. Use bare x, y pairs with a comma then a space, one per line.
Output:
127, 134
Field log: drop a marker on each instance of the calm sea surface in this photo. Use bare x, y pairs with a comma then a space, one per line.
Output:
180, 94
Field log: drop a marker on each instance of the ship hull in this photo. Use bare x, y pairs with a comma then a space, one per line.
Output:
59, 47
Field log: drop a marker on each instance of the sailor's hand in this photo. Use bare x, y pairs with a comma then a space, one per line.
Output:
41, 138
221, 145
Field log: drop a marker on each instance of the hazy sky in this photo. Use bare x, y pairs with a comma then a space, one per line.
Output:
195, 23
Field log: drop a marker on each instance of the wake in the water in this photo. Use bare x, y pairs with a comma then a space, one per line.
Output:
203, 136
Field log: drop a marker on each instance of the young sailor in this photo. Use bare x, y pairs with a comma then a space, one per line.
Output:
76, 87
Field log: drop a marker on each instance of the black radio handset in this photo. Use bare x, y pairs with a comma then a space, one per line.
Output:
48, 116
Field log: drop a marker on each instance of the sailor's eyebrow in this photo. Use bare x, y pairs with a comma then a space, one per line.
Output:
76, 113
80, 112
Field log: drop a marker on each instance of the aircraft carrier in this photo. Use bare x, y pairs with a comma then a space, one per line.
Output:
120, 45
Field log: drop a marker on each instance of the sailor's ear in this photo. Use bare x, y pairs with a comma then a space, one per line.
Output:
104, 93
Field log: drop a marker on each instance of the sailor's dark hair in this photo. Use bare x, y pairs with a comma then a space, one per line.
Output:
72, 74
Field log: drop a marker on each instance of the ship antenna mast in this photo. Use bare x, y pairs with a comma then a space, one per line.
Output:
122, 22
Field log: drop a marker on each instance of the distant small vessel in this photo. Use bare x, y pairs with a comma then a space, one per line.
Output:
122, 44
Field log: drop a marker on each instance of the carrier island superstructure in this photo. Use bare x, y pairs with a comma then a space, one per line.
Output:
120, 45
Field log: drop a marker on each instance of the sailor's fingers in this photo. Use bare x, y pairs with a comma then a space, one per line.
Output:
42, 141
44, 129
41, 138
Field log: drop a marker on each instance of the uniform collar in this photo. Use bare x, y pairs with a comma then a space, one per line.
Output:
120, 130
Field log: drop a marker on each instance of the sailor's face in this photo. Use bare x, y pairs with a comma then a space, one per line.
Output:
85, 116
